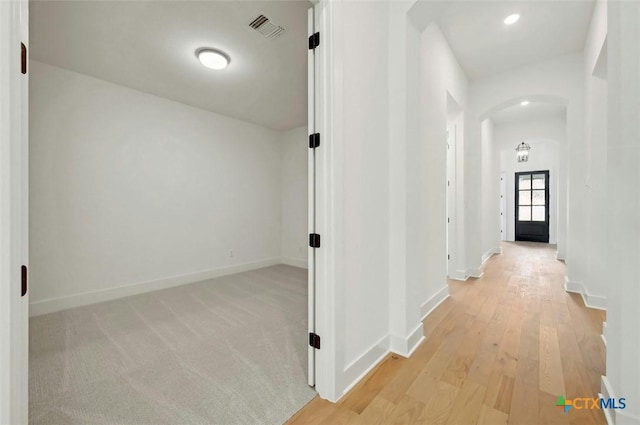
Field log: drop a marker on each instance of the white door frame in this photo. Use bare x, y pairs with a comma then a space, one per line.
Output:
451, 141
311, 187
327, 202
14, 213
503, 206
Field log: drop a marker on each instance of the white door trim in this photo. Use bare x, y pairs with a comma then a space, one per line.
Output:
328, 202
503, 206
311, 182
14, 308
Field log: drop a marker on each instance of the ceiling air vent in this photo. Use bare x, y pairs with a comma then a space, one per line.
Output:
264, 26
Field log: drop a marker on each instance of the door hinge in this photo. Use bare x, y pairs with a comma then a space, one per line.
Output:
314, 140
24, 273
448, 257
314, 340
448, 220
314, 41
23, 58
314, 240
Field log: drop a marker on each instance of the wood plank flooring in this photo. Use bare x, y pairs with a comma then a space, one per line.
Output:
499, 350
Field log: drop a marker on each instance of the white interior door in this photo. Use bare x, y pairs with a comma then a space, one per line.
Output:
14, 298
503, 206
311, 67
450, 198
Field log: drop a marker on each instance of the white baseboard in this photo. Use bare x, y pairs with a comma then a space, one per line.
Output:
572, 286
490, 253
63, 303
476, 273
486, 256
595, 301
295, 262
606, 393
590, 300
560, 256
615, 416
405, 346
358, 368
460, 275
436, 299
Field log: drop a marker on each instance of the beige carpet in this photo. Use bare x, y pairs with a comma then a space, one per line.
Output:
231, 350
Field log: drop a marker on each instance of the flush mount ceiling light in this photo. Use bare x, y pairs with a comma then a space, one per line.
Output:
511, 19
524, 103
212, 58
522, 152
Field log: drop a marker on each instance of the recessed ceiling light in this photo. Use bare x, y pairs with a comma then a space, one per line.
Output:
524, 103
511, 19
212, 58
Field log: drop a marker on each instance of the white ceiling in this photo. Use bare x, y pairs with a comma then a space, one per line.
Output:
150, 46
534, 110
484, 45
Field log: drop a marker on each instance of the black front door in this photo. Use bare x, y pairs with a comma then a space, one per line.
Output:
532, 206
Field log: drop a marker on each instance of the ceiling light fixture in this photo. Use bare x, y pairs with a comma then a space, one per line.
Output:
212, 58
522, 152
524, 103
511, 19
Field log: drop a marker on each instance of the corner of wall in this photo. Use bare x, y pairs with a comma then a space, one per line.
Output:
476, 273
459, 275
614, 416
591, 301
606, 393
405, 346
432, 303
358, 369
295, 262
52, 305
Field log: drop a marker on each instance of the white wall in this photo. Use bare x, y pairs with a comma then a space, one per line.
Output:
545, 135
425, 69
490, 163
623, 234
295, 239
129, 188
440, 77
595, 285
387, 209
363, 135
623, 202
353, 178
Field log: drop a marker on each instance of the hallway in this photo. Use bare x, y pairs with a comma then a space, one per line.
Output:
499, 350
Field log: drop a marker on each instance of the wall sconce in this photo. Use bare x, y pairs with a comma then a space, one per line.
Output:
522, 152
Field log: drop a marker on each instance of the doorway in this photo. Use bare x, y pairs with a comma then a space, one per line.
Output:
450, 200
503, 206
532, 206
245, 180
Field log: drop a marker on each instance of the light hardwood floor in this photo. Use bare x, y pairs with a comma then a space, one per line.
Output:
499, 350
